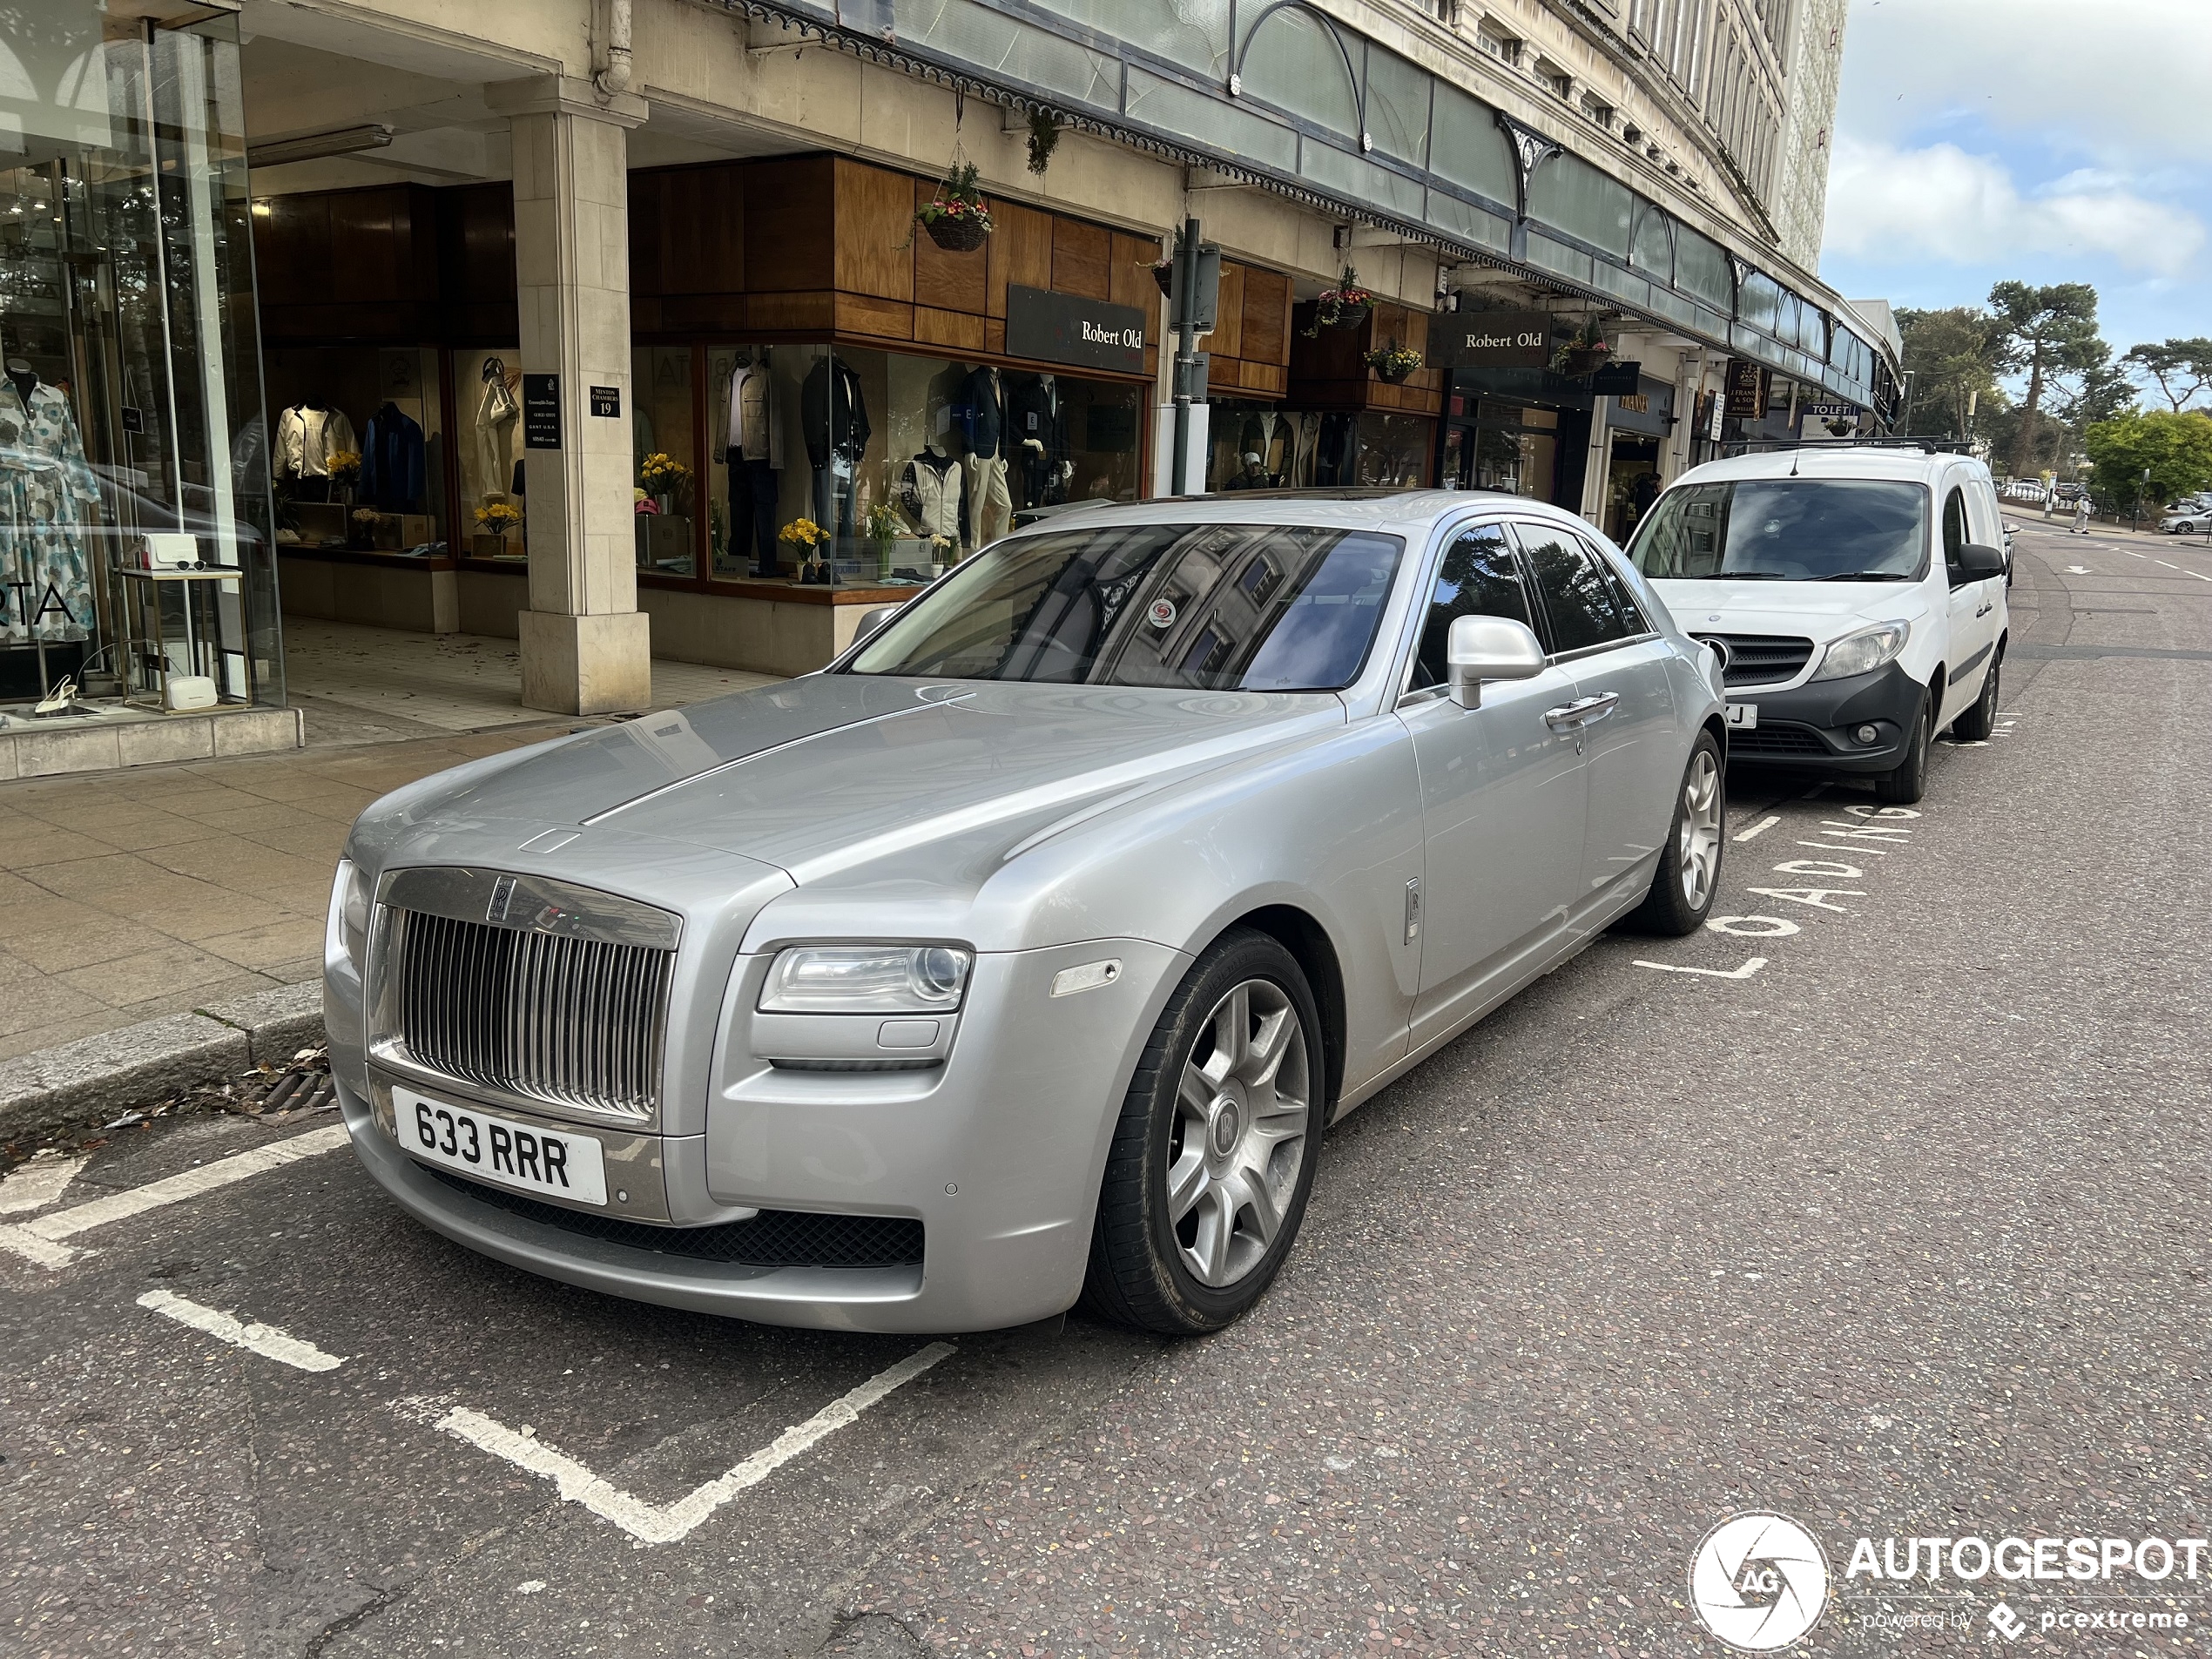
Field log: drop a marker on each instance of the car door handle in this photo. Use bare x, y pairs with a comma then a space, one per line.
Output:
1582, 710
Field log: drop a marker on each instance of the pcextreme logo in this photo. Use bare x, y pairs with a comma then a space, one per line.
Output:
1758, 1582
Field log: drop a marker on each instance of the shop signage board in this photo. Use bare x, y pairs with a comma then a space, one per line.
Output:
1067, 328
1492, 339
1616, 380
1747, 389
606, 402
541, 411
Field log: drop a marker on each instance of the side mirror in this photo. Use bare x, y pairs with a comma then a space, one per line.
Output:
873, 619
1978, 562
2011, 530
1489, 648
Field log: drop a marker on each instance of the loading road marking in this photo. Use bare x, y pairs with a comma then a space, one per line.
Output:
39, 1240
1747, 971
35, 1184
667, 1523
263, 1339
1759, 828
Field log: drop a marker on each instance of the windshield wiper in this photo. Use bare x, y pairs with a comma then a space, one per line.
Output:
1867, 575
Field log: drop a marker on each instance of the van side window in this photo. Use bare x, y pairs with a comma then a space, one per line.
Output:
1954, 528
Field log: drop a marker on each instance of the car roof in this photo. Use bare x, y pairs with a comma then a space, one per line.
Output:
1397, 512
1833, 460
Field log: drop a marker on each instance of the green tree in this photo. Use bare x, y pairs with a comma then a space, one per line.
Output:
2049, 332
2100, 391
2180, 368
1954, 357
2176, 448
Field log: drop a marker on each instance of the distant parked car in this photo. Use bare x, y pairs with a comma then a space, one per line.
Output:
2188, 521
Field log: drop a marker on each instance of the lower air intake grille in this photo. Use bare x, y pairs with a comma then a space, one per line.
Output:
1762, 659
1776, 742
772, 1239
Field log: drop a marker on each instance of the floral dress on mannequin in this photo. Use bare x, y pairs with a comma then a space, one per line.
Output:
47, 494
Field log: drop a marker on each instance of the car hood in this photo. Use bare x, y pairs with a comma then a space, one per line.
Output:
1823, 610
825, 773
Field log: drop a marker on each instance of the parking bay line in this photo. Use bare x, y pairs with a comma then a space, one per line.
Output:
263, 1339
35, 1184
39, 1240
1759, 828
668, 1523
1750, 968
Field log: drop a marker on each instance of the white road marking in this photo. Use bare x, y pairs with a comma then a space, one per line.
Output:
37, 1183
2132, 554
263, 1339
2077, 569
1759, 828
2170, 567
1834, 869
2199, 575
1830, 846
1774, 927
1750, 967
666, 1523
1816, 898
39, 1240
1887, 811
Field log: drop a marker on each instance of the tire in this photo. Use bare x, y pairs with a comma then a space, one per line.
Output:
1690, 868
1908, 781
1181, 1271
1978, 722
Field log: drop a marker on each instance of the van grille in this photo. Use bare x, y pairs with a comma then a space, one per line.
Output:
569, 1021
1762, 659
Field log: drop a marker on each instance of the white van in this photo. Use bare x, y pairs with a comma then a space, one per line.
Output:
1856, 596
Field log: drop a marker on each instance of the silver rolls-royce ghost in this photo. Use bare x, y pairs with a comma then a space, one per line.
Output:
1023, 954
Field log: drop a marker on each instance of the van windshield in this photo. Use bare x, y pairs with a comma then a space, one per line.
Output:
1786, 529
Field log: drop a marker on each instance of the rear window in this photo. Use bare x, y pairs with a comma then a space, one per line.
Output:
1213, 607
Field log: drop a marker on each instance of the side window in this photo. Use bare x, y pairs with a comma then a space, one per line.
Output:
1954, 528
1576, 594
1631, 613
1477, 579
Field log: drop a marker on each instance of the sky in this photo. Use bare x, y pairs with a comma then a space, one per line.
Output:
2047, 140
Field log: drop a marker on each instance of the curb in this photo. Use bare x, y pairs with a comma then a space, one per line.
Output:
136, 1064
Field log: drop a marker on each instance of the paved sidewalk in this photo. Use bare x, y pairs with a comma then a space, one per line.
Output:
129, 895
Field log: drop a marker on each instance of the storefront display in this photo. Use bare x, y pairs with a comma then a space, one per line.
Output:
662, 428
132, 431
488, 385
381, 406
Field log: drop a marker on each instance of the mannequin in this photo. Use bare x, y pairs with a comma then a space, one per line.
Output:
930, 489
834, 417
496, 412
308, 434
48, 495
990, 509
753, 447
392, 470
1040, 422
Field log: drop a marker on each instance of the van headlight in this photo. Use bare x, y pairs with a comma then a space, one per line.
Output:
866, 979
1864, 651
347, 929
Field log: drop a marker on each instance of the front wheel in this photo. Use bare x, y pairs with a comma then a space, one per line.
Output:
1207, 1179
1908, 781
1690, 869
1978, 722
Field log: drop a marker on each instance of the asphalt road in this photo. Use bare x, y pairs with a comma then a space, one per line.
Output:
1901, 1233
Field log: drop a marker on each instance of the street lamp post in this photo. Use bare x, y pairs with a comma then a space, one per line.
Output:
2141, 485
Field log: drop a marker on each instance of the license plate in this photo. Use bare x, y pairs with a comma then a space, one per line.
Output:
1742, 717
499, 1151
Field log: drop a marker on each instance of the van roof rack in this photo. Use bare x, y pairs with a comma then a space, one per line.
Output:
1928, 446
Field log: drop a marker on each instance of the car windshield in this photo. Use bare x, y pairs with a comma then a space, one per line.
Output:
1213, 607
1786, 529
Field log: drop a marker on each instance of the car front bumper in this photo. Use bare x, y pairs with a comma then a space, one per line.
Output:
997, 1152
1815, 725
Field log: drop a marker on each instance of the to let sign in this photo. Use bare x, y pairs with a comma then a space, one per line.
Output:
1494, 339
541, 411
1066, 328
1747, 389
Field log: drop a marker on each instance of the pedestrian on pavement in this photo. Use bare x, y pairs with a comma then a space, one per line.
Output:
2080, 517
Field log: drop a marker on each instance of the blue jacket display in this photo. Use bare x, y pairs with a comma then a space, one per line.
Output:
392, 475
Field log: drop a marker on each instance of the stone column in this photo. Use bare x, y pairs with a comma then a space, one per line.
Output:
585, 645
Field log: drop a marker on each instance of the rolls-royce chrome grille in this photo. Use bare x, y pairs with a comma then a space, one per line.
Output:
531, 987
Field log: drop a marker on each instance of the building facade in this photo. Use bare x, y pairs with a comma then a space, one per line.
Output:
618, 326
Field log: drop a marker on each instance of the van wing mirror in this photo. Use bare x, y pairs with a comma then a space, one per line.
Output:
1978, 561
1489, 648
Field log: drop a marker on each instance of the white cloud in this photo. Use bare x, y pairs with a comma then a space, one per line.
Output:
1896, 206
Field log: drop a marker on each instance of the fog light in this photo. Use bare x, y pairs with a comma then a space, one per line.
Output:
1867, 734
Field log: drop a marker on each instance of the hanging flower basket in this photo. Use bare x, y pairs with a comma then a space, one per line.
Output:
1585, 351
1394, 363
1587, 360
957, 218
1163, 274
1346, 306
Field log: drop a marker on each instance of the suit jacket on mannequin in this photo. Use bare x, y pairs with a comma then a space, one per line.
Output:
832, 414
749, 426
392, 470
1038, 420
983, 412
307, 437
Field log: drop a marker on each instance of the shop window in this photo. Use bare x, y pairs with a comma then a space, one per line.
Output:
758, 480
1257, 446
382, 406
663, 446
1467, 147
1570, 195
131, 427
495, 501
1294, 61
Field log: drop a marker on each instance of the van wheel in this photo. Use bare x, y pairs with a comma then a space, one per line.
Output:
1978, 722
1690, 869
1909, 781
1207, 1179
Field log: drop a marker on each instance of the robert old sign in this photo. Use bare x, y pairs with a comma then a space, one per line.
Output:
1067, 328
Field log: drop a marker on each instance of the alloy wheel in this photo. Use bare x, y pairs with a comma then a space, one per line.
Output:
1698, 846
1239, 1138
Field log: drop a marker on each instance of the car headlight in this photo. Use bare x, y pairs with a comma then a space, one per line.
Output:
866, 979
348, 929
1864, 651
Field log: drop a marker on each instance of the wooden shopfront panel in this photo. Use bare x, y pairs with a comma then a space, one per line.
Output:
1249, 352
1329, 370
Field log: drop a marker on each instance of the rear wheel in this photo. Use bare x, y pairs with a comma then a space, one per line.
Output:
1690, 870
1978, 722
1207, 1179
1908, 781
